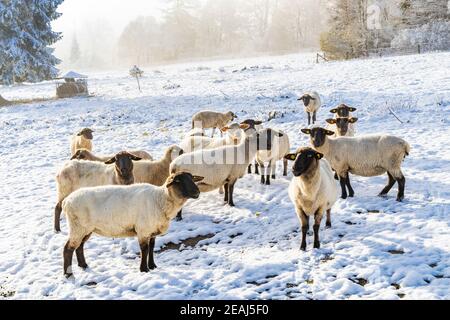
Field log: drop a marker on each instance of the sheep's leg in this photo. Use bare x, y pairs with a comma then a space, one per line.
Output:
314, 117
180, 215
351, 192
305, 226
389, 186
336, 177
249, 169
285, 167
225, 199
256, 168
274, 170
316, 227
144, 244
230, 193
151, 249
309, 118
80, 254
343, 182
57, 223
328, 225
401, 189
69, 248
263, 178
213, 132
268, 170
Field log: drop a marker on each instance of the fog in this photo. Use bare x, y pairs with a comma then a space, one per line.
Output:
106, 34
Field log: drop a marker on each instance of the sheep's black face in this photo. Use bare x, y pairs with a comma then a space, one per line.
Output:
343, 111
264, 139
318, 136
305, 160
250, 124
306, 99
184, 184
342, 124
124, 166
86, 133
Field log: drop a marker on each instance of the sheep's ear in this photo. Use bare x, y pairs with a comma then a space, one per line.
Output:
75, 156
225, 129
306, 131
331, 121
135, 158
291, 156
329, 133
334, 110
244, 126
319, 155
197, 178
111, 161
312, 98
79, 134
352, 120
351, 109
280, 135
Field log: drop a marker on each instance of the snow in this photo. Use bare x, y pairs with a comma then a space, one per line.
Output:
377, 248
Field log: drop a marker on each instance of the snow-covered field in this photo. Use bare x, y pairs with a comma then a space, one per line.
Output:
377, 248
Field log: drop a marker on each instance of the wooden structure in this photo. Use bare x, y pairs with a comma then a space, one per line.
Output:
74, 85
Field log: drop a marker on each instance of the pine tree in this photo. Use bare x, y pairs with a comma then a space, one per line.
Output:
75, 53
25, 37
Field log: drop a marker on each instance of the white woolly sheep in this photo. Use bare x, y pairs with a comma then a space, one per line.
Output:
233, 136
212, 120
280, 148
365, 156
225, 165
311, 101
78, 174
140, 210
313, 190
82, 140
84, 154
253, 127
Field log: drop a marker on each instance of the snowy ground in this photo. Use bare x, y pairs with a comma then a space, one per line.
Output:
377, 248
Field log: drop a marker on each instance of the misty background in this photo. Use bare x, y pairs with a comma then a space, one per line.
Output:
105, 34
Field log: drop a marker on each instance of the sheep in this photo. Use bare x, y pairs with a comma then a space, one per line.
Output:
224, 165
211, 119
84, 154
253, 126
193, 143
342, 127
343, 111
313, 190
143, 211
82, 140
312, 103
76, 174
280, 148
366, 156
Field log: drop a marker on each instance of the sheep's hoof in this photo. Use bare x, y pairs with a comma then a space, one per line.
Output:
351, 195
145, 270
83, 266
152, 267
383, 195
316, 245
179, 219
274, 177
328, 225
231, 204
400, 199
344, 196
267, 183
303, 247
68, 275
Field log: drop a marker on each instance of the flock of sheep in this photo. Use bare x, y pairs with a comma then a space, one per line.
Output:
130, 194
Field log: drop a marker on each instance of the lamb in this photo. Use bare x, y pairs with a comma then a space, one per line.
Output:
312, 103
84, 154
233, 136
342, 127
366, 156
77, 174
313, 190
82, 140
224, 165
280, 148
211, 119
139, 210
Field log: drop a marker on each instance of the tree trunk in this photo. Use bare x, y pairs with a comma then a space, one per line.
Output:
3, 102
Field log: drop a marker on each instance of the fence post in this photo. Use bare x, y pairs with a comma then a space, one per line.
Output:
418, 48
317, 58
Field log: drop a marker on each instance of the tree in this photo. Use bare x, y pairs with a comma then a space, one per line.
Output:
25, 37
75, 53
